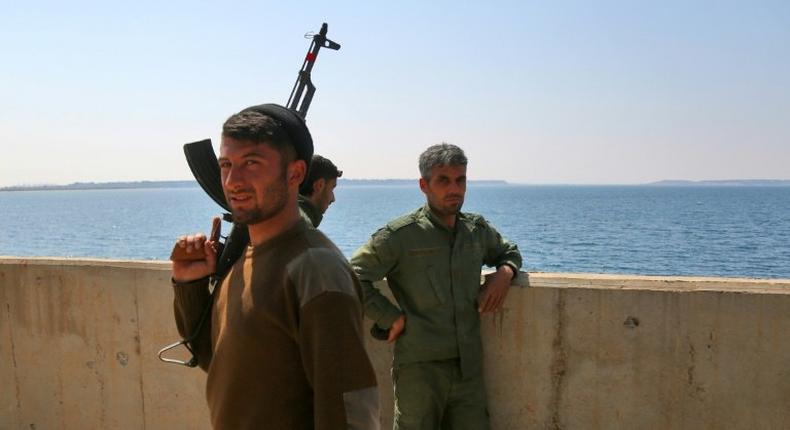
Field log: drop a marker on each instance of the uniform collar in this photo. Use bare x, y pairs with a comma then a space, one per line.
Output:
434, 219
310, 210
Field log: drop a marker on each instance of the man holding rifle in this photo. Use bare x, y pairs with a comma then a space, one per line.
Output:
283, 345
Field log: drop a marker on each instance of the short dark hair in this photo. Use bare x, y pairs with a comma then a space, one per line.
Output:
258, 128
320, 168
443, 154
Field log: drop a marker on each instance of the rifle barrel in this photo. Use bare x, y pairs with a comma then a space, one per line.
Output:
303, 79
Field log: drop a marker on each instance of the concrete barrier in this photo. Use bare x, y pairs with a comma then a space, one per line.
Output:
78, 342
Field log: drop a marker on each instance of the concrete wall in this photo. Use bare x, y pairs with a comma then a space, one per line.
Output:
78, 342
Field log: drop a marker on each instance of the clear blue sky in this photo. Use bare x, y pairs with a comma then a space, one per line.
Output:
535, 92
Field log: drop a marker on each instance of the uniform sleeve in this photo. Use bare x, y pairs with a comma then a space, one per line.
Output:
190, 301
332, 345
500, 251
309, 213
371, 262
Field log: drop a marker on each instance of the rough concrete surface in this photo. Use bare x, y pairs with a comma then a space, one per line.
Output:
78, 342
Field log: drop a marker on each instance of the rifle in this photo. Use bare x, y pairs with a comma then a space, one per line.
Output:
303, 79
203, 163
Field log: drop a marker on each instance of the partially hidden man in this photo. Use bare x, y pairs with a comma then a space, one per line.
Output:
432, 260
317, 192
283, 347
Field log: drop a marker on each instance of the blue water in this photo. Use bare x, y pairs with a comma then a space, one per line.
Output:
721, 231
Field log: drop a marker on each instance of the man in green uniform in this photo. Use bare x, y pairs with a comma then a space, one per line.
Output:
317, 192
432, 260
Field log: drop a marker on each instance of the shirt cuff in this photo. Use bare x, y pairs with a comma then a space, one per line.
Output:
389, 317
512, 266
202, 281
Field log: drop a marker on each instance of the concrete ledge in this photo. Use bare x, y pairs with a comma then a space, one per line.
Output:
78, 342
657, 283
94, 262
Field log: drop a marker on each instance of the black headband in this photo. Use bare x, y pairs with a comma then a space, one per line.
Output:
294, 127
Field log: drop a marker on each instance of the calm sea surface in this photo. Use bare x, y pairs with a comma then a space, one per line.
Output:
722, 231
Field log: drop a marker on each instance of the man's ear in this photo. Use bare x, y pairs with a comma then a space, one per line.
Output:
318, 186
423, 185
296, 172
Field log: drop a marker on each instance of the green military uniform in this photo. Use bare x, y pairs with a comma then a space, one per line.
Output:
309, 211
434, 275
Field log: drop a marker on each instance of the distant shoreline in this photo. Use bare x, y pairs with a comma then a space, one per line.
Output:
391, 182
725, 183
194, 184
104, 186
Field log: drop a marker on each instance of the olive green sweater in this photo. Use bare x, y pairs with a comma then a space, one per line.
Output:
284, 346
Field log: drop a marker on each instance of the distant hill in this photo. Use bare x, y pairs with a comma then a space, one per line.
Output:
105, 186
377, 182
353, 182
194, 184
727, 183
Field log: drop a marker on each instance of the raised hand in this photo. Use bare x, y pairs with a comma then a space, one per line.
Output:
195, 256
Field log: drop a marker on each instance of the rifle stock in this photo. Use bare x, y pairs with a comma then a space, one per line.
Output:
203, 163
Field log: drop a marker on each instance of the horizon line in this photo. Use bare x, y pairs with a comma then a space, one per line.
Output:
663, 182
